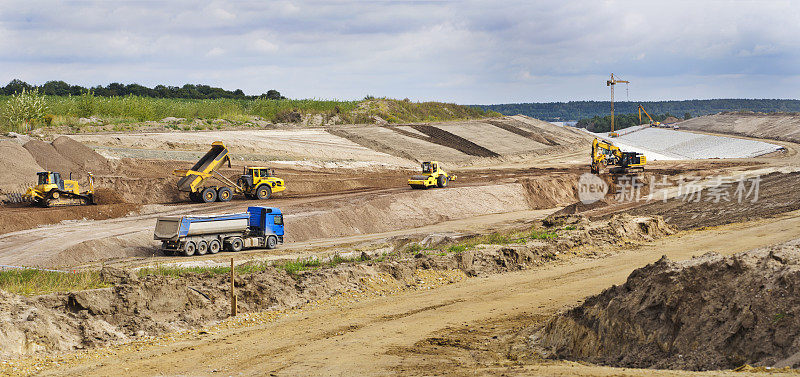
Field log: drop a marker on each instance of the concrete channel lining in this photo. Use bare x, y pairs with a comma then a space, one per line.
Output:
666, 144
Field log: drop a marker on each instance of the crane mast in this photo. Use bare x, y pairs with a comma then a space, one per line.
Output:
611, 83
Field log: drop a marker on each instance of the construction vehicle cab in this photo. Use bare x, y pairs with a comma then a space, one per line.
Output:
259, 182
607, 154
433, 176
52, 190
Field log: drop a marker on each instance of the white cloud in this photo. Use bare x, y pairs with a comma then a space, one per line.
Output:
216, 51
263, 45
468, 52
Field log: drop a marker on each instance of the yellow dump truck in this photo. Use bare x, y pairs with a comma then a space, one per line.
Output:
433, 176
54, 191
254, 183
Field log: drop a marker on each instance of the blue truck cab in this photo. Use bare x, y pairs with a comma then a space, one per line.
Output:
190, 235
266, 221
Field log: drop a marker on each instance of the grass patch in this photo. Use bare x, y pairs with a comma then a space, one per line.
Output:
413, 248
31, 282
175, 271
291, 267
128, 110
457, 248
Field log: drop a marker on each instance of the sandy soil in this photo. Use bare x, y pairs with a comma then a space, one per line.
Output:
706, 313
300, 144
767, 126
463, 326
317, 217
393, 335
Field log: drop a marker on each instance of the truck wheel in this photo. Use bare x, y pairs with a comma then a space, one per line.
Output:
214, 246
224, 194
237, 244
263, 192
272, 242
441, 181
208, 195
202, 248
189, 249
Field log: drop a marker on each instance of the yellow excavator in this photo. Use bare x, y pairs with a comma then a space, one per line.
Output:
652, 122
607, 154
433, 176
54, 191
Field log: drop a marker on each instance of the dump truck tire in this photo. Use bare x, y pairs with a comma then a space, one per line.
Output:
272, 242
237, 244
224, 194
202, 248
208, 195
263, 192
189, 249
214, 246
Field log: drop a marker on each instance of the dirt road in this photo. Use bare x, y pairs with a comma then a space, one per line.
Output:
377, 336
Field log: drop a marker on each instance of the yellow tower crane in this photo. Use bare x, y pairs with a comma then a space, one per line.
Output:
611, 83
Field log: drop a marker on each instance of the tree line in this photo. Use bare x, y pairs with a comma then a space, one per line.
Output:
188, 91
576, 110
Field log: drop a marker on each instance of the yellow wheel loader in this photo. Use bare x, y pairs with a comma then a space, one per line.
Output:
53, 191
433, 176
607, 154
255, 183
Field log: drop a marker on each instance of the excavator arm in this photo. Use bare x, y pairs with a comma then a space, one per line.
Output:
604, 153
652, 122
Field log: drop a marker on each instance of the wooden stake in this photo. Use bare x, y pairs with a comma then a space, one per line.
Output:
233, 292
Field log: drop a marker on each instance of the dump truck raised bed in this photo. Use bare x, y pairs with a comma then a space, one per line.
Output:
254, 183
190, 235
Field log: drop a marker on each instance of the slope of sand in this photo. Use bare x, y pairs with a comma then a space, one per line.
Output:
767, 126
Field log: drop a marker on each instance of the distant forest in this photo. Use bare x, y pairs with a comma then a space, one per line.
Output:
577, 110
189, 91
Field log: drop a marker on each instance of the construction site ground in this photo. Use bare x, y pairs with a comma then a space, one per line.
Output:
347, 193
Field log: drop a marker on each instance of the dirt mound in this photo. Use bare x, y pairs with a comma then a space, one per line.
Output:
84, 157
768, 126
710, 312
48, 158
580, 207
19, 168
139, 190
107, 196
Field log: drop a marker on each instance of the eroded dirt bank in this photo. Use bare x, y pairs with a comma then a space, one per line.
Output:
138, 306
710, 312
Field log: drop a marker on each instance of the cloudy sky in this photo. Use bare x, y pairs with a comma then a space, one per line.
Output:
459, 51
